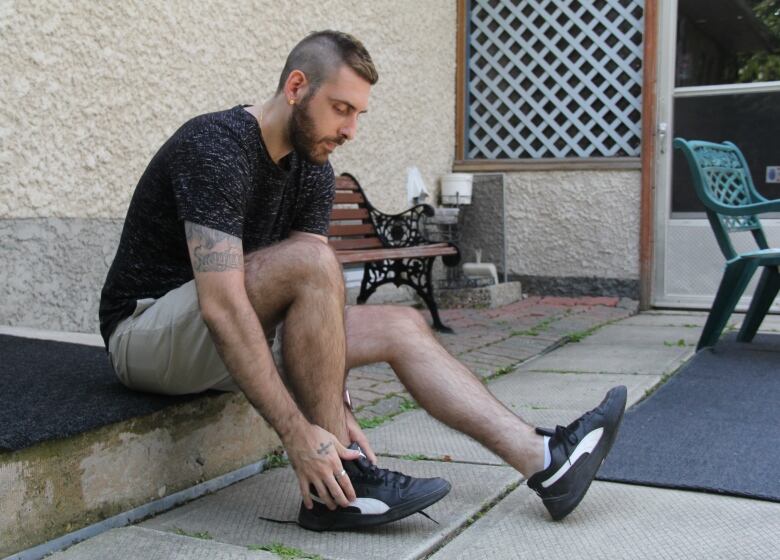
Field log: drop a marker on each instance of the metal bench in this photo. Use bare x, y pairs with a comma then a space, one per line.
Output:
392, 247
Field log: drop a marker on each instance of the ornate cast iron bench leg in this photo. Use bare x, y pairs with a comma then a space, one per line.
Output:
414, 272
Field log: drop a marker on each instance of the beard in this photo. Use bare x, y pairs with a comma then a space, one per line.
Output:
303, 134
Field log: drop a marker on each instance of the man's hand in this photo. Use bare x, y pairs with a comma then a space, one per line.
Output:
356, 434
316, 455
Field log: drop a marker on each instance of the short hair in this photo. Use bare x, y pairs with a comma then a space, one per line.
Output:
321, 53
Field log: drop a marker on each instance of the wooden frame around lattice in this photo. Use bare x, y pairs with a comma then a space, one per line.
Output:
553, 79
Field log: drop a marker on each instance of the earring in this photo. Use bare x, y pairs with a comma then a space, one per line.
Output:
291, 101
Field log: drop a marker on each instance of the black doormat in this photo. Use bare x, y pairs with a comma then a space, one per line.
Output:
714, 426
52, 390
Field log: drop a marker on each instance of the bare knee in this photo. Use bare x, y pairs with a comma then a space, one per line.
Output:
406, 326
297, 264
316, 264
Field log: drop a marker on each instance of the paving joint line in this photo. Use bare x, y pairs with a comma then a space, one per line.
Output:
441, 459
471, 520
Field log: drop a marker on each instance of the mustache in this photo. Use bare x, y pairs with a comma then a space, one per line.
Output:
336, 140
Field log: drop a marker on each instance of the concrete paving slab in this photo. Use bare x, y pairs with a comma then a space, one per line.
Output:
232, 515
608, 358
771, 323
565, 391
666, 319
418, 433
137, 543
620, 334
622, 521
542, 399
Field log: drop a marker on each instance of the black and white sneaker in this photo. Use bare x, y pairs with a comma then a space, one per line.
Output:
577, 452
382, 496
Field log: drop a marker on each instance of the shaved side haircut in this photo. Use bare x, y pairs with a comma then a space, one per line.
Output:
322, 53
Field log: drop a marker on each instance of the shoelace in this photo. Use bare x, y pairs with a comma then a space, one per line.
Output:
387, 476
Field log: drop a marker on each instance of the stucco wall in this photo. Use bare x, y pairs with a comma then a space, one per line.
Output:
92, 89
574, 224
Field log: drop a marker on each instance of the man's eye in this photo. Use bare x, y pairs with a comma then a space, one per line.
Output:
340, 110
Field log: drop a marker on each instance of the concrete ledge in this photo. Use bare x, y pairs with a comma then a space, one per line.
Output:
579, 286
60, 486
484, 297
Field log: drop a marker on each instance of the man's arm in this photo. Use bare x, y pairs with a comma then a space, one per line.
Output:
307, 235
218, 265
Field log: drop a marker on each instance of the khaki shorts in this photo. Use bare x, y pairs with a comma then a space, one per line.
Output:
165, 347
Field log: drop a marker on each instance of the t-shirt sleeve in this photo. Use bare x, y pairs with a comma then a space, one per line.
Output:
317, 190
210, 175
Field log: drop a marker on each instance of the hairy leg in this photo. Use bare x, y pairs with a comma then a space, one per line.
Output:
438, 382
300, 282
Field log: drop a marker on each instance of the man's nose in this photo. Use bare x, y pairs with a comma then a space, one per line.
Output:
349, 128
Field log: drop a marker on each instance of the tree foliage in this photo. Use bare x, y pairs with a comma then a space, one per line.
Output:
763, 66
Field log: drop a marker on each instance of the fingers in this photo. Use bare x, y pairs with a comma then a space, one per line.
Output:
346, 454
366, 447
346, 486
335, 489
324, 494
304, 486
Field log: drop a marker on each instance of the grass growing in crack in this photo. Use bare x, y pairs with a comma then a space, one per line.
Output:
416, 457
680, 343
406, 405
579, 336
205, 535
276, 459
284, 551
537, 329
499, 372
373, 422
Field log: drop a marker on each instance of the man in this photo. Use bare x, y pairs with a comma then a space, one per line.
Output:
225, 239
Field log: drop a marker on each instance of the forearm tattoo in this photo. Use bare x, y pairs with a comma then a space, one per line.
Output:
213, 250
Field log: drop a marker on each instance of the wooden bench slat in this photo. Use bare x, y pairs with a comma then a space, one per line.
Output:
351, 244
349, 198
354, 239
350, 230
371, 255
348, 214
345, 184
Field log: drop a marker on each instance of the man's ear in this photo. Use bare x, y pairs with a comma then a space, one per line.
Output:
296, 86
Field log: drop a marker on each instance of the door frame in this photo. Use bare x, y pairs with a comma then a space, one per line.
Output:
663, 131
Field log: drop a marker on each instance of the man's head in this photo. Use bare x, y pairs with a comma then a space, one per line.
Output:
326, 80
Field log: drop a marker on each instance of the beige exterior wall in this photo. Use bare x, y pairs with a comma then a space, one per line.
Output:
92, 89
573, 223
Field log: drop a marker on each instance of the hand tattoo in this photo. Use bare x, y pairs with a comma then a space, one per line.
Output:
324, 447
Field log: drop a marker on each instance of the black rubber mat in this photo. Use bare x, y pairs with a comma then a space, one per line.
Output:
51, 390
714, 426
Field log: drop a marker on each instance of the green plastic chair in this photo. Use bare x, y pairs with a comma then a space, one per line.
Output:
723, 184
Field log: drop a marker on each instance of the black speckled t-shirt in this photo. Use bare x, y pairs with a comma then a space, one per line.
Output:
214, 171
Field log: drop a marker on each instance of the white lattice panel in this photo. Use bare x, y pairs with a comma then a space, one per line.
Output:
553, 79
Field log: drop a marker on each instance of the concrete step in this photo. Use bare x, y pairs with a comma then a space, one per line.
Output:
57, 487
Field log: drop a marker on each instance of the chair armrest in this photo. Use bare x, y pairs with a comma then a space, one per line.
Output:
746, 209
404, 229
